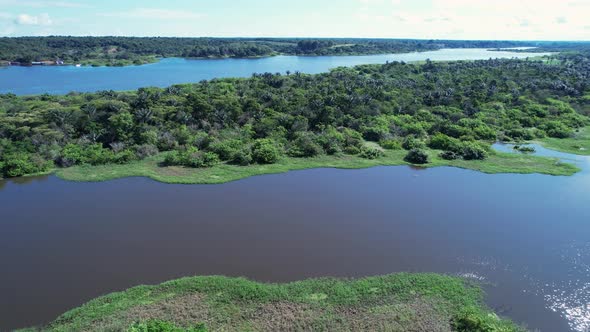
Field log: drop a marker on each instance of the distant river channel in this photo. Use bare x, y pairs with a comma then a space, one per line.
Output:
169, 71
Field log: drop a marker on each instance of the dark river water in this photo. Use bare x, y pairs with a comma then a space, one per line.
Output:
525, 237
63, 79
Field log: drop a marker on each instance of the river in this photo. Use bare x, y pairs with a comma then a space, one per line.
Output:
63, 79
525, 237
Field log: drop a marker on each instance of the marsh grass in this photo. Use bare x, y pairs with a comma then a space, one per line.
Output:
395, 302
152, 167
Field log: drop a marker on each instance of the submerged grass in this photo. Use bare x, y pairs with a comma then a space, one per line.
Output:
497, 163
398, 302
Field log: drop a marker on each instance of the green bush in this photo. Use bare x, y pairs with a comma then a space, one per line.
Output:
226, 149
473, 151
93, 154
352, 150
264, 151
411, 143
391, 144
370, 152
417, 156
450, 155
191, 157
472, 319
304, 146
243, 157
441, 141
19, 164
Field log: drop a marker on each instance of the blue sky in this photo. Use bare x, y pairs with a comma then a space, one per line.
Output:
438, 19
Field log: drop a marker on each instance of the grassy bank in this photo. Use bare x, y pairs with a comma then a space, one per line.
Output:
578, 144
398, 302
151, 167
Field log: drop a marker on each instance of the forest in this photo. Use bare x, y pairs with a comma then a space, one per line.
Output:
456, 108
119, 51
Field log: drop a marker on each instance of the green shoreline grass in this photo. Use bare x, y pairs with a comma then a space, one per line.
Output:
578, 144
496, 163
397, 302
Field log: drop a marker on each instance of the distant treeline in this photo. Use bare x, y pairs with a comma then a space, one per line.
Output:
456, 107
128, 50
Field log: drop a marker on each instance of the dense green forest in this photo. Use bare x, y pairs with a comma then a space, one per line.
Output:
458, 108
138, 50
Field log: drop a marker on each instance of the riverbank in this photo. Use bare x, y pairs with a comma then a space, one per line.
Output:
497, 162
404, 302
578, 144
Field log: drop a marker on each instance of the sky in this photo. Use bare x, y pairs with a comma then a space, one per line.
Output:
423, 19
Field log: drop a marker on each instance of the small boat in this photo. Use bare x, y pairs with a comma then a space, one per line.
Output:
78, 65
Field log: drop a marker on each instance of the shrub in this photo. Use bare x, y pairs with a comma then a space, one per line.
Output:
441, 142
411, 143
391, 144
264, 151
557, 129
304, 146
145, 150
471, 319
93, 154
417, 156
242, 157
191, 157
353, 150
19, 164
524, 148
124, 157
473, 151
370, 152
450, 155
226, 149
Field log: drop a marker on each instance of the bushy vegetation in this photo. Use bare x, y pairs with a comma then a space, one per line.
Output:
456, 108
400, 302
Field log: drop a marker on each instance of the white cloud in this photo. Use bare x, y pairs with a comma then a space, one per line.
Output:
157, 14
44, 4
26, 19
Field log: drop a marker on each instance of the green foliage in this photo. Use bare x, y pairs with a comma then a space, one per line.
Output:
391, 144
473, 319
449, 297
19, 164
456, 107
191, 157
163, 326
371, 152
411, 143
417, 156
473, 151
93, 154
304, 145
265, 151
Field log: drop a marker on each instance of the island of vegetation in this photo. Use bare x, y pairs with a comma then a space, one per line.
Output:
429, 114
123, 51
398, 302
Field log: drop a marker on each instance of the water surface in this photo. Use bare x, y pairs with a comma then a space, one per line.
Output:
526, 237
63, 79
